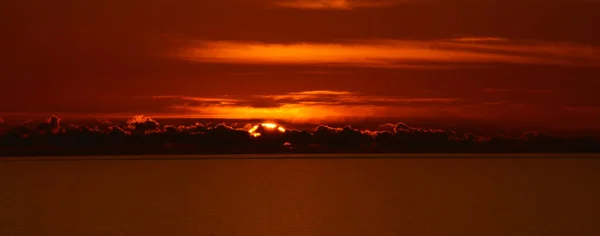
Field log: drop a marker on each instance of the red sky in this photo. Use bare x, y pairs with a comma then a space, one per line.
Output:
496, 60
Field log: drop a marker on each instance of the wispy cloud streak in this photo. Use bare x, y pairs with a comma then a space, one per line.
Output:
319, 105
333, 4
394, 53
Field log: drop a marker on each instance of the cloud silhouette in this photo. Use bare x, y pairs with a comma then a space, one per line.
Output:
401, 127
73, 128
142, 125
117, 131
52, 125
3, 126
144, 135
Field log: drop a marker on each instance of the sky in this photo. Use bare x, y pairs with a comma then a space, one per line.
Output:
523, 62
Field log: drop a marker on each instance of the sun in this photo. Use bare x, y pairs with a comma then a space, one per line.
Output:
268, 127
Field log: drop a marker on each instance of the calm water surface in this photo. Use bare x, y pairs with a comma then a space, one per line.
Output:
406, 196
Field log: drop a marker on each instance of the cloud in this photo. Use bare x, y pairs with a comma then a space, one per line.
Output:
3, 126
497, 90
52, 125
290, 112
312, 106
572, 53
394, 53
480, 39
495, 103
347, 97
334, 4
195, 128
350, 98
222, 138
117, 131
471, 137
503, 90
325, 129
74, 128
199, 99
305, 95
323, 92
322, 72
401, 127
388, 127
142, 125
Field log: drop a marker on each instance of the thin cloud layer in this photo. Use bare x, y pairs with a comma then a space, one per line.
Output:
335, 106
395, 53
334, 4
480, 39
311, 106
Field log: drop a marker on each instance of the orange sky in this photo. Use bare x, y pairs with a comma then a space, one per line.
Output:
304, 60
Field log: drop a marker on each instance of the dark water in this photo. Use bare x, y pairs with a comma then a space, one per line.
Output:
508, 196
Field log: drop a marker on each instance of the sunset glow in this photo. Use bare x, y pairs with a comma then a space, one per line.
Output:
269, 126
300, 117
512, 63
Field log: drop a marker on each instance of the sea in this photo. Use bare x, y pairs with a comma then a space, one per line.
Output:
328, 195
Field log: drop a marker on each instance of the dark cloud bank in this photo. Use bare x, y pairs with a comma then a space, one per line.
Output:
144, 135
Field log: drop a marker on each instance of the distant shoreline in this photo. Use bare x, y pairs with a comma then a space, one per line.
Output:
305, 156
